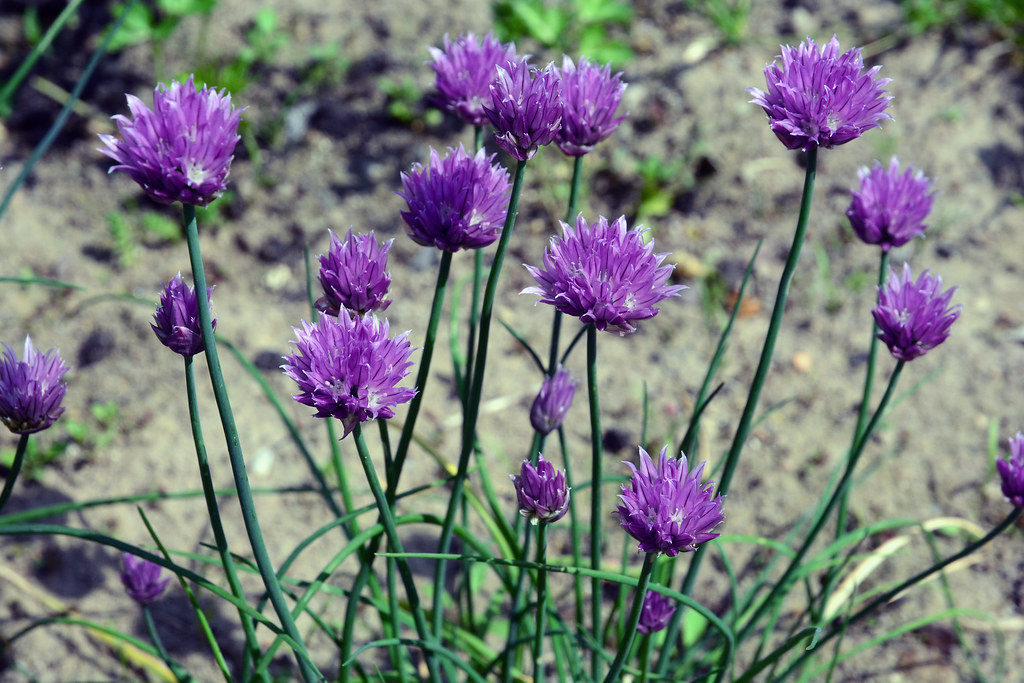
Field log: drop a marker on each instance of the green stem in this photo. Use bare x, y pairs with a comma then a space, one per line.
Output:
475, 393
884, 598
395, 543
511, 650
12, 475
238, 470
596, 518
634, 618
251, 644
574, 190
760, 375
542, 600
782, 585
422, 375
154, 636
645, 658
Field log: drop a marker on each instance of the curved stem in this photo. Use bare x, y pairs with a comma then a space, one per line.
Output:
596, 518
19, 459
154, 636
781, 586
238, 470
251, 644
475, 393
634, 618
884, 598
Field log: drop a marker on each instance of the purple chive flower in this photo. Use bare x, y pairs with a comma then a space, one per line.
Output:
347, 367
459, 202
141, 579
553, 401
668, 510
181, 149
603, 274
354, 275
890, 207
542, 492
819, 98
656, 613
1012, 472
590, 96
526, 107
914, 317
31, 391
464, 71
176, 321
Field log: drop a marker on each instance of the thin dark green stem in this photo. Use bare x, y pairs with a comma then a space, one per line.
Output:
422, 375
884, 598
517, 600
476, 392
395, 543
767, 351
596, 516
782, 585
574, 189
213, 509
154, 636
12, 475
742, 431
634, 618
241, 477
645, 658
542, 601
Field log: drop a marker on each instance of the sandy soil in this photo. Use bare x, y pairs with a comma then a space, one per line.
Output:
958, 114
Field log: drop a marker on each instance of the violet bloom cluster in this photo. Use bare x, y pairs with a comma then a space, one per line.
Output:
526, 107
656, 612
542, 492
141, 579
458, 202
349, 368
31, 390
553, 401
890, 207
667, 508
181, 149
590, 96
176, 321
914, 317
464, 71
354, 275
603, 274
1011, 472
819, 98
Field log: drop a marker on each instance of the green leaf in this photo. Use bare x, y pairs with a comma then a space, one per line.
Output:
594, 43
183, 8
604, 12
545, 24
137, 27
162, 226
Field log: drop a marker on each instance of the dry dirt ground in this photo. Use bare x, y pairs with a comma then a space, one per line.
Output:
958, 115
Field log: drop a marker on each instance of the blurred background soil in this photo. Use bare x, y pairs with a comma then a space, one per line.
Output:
695, 162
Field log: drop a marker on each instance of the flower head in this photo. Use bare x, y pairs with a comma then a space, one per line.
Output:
603, 274
542, 492
459, 202
914, 317
890, 207
31, 390
464, 71
1011, 472
141, 579
590, 96
354, 275
176, 321
656, 613
668, 510
181, 149
819, 98
526, 107
347, 367
553, 401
